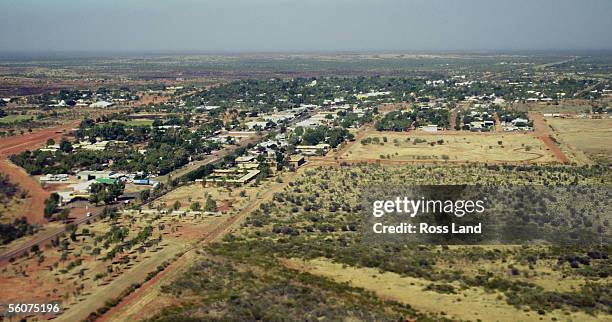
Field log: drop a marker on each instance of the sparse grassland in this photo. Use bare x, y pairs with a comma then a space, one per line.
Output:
484, 148
228, 199
589, 138
313, 227
455, 302
576, 106
137, 122
15, 118
97, 262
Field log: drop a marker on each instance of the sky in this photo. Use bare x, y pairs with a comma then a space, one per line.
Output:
233, 26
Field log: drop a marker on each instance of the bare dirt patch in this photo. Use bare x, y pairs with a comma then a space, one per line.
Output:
447, 147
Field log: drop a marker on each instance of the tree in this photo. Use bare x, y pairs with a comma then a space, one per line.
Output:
145, 195
210, 205
51, 205
50, 142
195, 206
65, 146
177, 205
106, 193
63, 215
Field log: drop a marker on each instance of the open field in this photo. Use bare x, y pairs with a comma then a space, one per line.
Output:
467, 304
16, 144
227, 199
15, 118
308, 227
495, 148
33, 209
137, 122
570, 107
588, 137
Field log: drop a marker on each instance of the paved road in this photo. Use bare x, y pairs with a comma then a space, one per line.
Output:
44, 238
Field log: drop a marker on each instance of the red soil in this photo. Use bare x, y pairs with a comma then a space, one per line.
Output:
16, 144
34, 208
19, 143
542, 132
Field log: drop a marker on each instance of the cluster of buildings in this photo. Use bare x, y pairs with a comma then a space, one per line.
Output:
79, 185
267, 121
85, 145
517, 124
87, 98
479, 120
362, 96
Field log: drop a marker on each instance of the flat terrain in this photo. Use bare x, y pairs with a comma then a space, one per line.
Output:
138, 122
469, 304
82, 279
468, 147
589, 137
15, 118
148, 300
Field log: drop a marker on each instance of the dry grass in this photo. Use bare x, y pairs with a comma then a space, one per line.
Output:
469, 304
36, 281
455, 148
224, 196
590, 137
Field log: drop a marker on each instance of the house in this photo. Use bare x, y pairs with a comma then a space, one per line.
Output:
240, 134
51, 148
101, 104
313, 149
232, 176
53, 177
92, 175
296, 160
245, 159
308, 123
140, 181
431, 128
247, 162
97, 146
520, 122
262, 125
476, 126
208, 107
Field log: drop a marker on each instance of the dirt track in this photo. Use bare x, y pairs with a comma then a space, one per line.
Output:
542, 132
135, 305
16, 144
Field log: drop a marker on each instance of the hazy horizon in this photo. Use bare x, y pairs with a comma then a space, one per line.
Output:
292, 26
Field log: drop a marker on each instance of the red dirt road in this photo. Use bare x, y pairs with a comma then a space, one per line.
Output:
542, 132
16, 144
